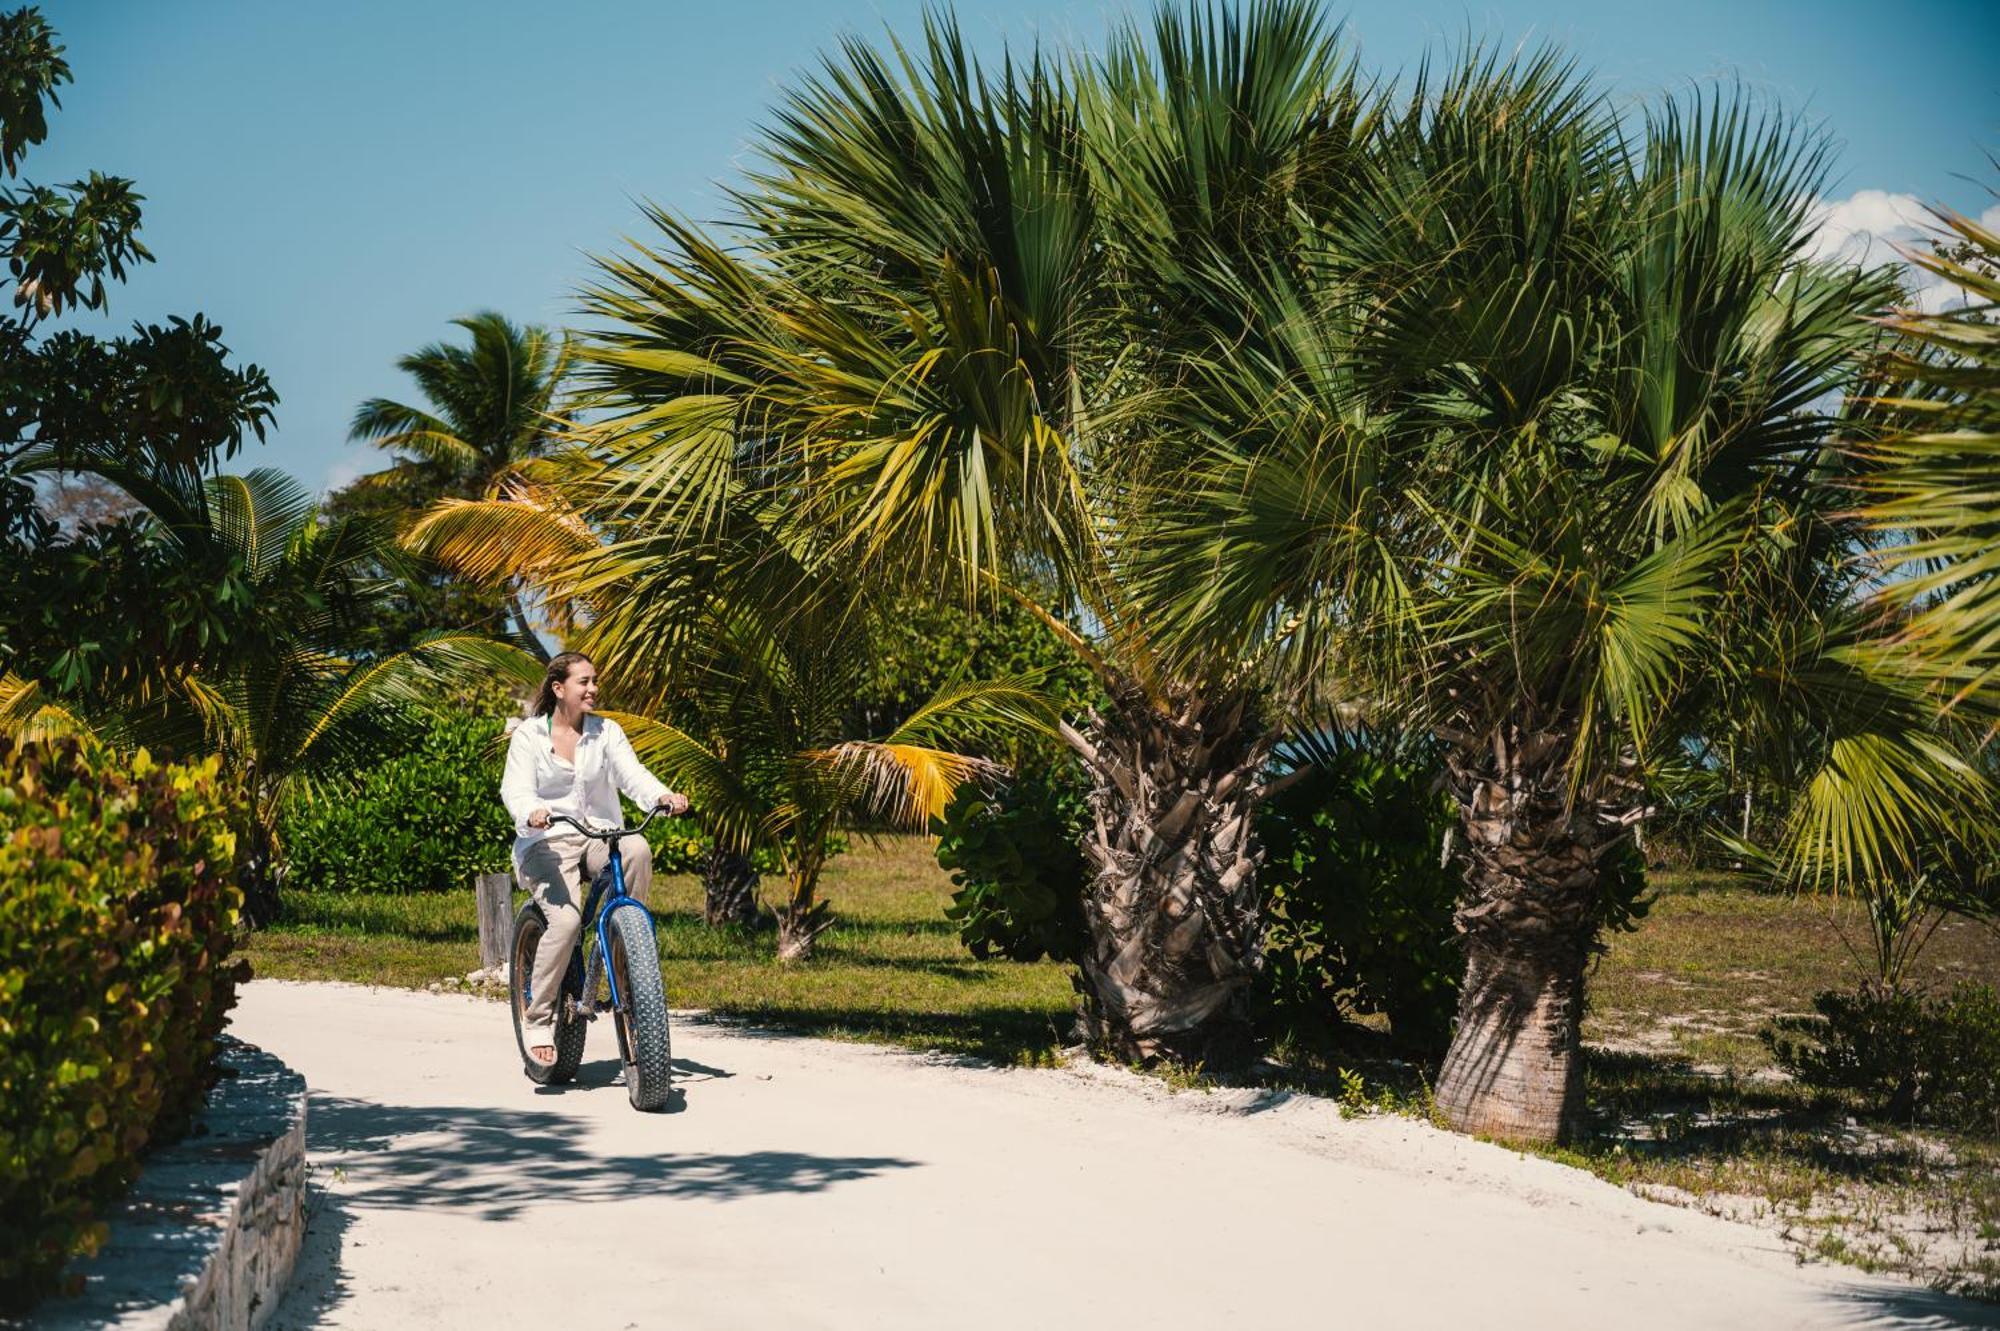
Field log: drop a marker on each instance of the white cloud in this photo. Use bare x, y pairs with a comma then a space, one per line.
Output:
1867, 226
340, 475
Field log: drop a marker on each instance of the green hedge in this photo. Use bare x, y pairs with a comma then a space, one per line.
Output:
118, 912
423, 821
1015, 855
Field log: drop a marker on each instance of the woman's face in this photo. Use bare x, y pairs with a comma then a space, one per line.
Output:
579, 691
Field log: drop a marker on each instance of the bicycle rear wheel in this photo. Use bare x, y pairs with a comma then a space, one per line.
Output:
642, 1008
529, 926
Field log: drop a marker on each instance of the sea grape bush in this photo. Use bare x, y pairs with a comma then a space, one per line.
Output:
118, 913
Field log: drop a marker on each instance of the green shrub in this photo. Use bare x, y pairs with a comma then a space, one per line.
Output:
118, 911
1358, 907
1014, 854
422, 821
1916, 1058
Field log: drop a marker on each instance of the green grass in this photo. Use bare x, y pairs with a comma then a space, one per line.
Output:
1684, 1103
891, 969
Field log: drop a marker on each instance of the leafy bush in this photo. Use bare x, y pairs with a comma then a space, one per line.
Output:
1358, 905
1916, 1057
422, 821
1013, 852
118, 912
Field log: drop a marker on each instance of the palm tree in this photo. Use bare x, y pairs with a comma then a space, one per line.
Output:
738, 660
934, 340
1934, 493
1889, 714
777, 772
492, 406
1525, 456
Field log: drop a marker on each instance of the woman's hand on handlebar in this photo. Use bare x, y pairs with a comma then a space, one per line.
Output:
539, 818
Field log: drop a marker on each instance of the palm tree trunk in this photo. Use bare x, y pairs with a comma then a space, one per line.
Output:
257, 875
804, 917
1176, 934
1530, 917
799, 926
729, 889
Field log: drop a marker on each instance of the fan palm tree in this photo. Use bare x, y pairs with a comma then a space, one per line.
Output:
1527, 455
934, 340
1937, 490
491, 406
1889, 712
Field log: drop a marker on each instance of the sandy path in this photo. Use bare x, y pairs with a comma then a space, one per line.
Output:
805, 1183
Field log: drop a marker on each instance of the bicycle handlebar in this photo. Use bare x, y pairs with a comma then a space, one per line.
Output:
611, 834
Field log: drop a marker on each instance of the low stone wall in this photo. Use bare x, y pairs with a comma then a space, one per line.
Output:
208, 1236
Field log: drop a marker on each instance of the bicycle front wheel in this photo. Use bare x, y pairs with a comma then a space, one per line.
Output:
642, 1008
570, 1029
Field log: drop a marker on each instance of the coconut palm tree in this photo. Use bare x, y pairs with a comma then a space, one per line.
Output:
490, 407
934, 340
1525, 456
738, 660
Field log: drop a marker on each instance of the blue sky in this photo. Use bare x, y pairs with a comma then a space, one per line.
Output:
332, 182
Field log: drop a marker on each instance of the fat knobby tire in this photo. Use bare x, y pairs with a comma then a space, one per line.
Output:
648, 1058
529, 926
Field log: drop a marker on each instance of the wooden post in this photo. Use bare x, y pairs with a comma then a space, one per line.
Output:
496, 918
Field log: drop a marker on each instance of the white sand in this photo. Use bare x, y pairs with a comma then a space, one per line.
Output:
806, 1183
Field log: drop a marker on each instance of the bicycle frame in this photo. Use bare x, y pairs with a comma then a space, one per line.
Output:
619, 901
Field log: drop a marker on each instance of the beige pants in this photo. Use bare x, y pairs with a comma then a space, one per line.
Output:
558, 871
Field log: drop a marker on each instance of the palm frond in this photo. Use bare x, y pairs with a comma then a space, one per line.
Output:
905, 784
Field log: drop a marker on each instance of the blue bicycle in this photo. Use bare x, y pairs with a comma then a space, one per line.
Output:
615, 966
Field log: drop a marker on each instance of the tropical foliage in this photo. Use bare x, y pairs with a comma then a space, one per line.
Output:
118, 913
1477, 405
935, 338
738, 659
1013, 849
1359, 894
167, 392
422, 818
491, 406
1538, 454
1935, 491
1913, 1057
250, 663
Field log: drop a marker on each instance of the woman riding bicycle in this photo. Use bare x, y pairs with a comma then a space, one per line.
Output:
565, 760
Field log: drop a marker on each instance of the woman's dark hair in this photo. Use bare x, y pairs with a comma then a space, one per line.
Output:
557, 673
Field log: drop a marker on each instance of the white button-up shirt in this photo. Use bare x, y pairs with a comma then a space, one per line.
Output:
586, 790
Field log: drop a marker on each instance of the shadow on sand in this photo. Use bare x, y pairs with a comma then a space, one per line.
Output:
493, 1162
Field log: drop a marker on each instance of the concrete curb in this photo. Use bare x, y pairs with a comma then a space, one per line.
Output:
207, 1238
